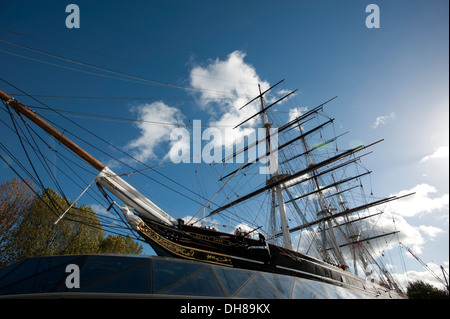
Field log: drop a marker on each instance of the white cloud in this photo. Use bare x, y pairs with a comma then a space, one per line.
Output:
157, 123
214, 223
430, 231
414, 237
100, 210
421, 202
408, 235
221, 88
198, 221
441, 152
385, 223
296, 112
285, 92
222, 99
411, 276
381, 120
110, 218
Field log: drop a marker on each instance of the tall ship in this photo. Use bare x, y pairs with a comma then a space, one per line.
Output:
290, 201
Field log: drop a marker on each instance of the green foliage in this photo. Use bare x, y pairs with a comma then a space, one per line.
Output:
422, 290
15, 198
120, 245
79, 232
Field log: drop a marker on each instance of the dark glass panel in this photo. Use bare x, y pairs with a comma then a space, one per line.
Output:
44, 274
232, 278
301, 291
166, 272
258, 287
316, 286
112, 274
203, 283
282, 283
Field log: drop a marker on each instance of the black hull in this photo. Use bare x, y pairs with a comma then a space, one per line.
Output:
207, 245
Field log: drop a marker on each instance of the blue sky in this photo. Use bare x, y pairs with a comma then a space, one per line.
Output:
392, 82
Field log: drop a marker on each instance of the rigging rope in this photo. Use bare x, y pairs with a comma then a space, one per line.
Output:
135, 78
119, 58
37, 179
115, 147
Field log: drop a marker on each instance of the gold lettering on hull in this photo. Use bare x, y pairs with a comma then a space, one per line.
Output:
215, 240
183, 251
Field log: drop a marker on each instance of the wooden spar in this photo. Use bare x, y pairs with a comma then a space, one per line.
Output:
52, 131
305, 115
354, 220
107, 179
328, 186
291, 177
303, 135
367, 239
279, 147
265, 109
313, 148
260, 95
328, 170
346, 212
281, 128
254, 144
342, 191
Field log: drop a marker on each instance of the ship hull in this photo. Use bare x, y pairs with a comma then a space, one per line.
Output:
238, 251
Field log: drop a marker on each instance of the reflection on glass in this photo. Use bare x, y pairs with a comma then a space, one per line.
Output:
232, 278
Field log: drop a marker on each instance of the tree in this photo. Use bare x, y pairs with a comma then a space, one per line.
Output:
79, 232
15, 198
37, 235
120, 245
422, 290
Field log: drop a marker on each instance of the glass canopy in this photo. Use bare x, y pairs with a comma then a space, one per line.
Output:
157, 277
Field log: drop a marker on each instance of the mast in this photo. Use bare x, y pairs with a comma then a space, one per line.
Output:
274, 175
106, 178
282, 179
325, 210
283, 127
348, 212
